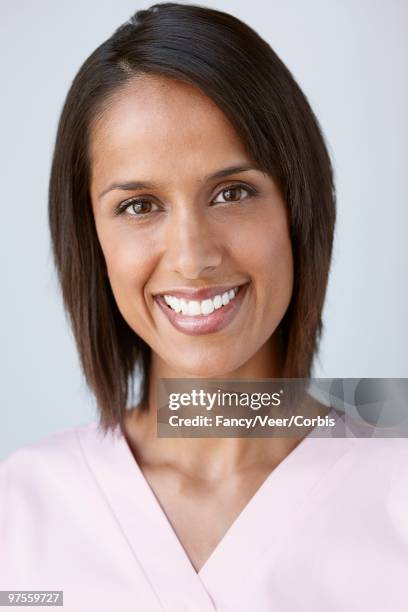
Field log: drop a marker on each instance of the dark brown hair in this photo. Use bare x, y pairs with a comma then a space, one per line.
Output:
240, 72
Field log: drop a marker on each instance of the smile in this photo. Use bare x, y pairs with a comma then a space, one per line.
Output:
193, 308
196, 317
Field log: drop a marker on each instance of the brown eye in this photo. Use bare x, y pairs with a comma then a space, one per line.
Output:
140, 207
136, 207
234, 193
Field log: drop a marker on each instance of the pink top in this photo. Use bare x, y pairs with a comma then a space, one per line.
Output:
326, 531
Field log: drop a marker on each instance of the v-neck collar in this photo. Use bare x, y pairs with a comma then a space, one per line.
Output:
261, 526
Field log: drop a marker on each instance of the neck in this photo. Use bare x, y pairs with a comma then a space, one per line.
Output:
211, 459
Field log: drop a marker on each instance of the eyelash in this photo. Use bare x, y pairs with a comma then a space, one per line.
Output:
135, 200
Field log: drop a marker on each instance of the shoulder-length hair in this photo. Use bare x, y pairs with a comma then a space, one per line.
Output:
240, 72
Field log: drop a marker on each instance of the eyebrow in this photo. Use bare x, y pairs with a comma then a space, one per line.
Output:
134, 185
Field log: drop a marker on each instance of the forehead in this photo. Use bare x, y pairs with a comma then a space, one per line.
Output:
164, 124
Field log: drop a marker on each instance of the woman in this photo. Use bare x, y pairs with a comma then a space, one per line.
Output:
192, 212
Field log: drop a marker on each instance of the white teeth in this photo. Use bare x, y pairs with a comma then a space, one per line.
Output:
184, 306
175, 304
194, 308
217, 302
207, 307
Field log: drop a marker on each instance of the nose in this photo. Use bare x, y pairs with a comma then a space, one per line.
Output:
193, 246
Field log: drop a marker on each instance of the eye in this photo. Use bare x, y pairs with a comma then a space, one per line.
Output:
136, 207
143, 207
234, 193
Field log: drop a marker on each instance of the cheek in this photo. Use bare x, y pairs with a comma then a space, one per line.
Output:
279, 256
266, 250
127, 262
270, 262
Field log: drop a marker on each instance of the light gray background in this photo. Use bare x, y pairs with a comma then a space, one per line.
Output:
349, 57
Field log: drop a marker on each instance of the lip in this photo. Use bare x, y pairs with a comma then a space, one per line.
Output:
203, 324
204, 293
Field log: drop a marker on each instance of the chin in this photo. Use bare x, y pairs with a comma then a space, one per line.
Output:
205, 368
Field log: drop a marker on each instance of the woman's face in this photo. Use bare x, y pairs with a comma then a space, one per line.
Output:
178, 205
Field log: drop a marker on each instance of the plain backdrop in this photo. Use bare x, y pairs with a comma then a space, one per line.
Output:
350, 57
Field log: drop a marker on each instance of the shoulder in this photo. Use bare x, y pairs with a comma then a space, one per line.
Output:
50, 461
50, 501
380, 465
397, 499
390, 453
383, 453
55, 445
379, 458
